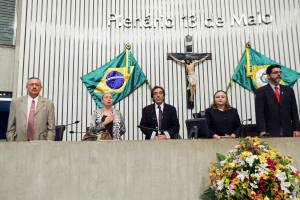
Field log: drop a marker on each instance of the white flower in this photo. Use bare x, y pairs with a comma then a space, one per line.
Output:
223, 162
220, 184
292, 168
284, 186
281, 176
250, 160
242, 175
254, 185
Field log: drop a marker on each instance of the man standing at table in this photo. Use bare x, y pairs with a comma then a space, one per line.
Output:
276, 107
159, 120
31, 117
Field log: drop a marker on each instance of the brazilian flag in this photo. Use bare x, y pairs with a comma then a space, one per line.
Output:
120, 76
251, 71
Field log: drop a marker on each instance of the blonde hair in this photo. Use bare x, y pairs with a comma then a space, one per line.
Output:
214, 105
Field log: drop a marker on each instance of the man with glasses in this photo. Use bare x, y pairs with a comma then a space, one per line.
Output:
276, 107
31, 117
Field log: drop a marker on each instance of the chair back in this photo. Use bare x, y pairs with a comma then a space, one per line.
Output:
249, 130
200, 114
59, 132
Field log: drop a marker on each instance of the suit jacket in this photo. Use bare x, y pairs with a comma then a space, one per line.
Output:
222, 122
272, 116
44, 120
170, 121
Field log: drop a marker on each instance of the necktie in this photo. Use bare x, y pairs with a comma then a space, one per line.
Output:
277, 94
159, 117
30, 127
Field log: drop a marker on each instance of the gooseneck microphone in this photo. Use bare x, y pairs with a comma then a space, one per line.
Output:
246, 120
76, 122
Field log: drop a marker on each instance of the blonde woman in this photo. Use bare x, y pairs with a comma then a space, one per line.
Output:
108, 119
222, 119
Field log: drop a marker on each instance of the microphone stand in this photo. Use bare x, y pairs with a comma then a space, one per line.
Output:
63, 128
243, 127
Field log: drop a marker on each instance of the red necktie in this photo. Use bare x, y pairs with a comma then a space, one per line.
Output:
277, 94
30, 127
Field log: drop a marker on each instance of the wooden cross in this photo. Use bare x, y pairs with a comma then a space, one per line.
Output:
190, 60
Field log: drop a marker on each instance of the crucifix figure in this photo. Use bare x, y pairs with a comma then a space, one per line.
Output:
190, 60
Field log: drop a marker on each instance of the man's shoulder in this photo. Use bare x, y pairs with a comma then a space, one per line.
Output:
168, 106
262, 89
46, 100
20, 99
151, 106
285, 87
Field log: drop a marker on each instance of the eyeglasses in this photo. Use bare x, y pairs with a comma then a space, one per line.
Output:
276, 72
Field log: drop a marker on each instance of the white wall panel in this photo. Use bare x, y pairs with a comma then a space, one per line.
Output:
61, 40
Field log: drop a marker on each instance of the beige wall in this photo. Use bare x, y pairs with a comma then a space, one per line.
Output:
114, 170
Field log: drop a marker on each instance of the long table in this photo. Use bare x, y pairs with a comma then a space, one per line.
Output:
132, 170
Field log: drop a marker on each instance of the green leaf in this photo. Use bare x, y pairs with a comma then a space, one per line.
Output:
208, 195
220, 157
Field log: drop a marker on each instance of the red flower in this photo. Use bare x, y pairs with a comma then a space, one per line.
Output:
262, 185
271, 164
233, 175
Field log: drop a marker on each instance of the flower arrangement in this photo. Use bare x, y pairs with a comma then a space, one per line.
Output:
253, 170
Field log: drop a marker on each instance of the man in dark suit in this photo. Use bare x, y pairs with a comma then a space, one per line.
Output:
275, 107
159, 120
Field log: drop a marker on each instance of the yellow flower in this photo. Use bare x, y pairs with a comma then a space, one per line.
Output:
264, 176
272, 154
245, 185
279, 167
229, 166
251, 194
256, 141
245, 154
266, 198
236, 181
262, 158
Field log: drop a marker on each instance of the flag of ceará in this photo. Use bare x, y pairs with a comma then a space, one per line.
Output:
251, 70
120, 76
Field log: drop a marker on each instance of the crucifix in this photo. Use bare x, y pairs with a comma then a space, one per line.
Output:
189, 60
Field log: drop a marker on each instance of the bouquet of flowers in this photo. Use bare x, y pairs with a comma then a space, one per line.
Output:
253, 170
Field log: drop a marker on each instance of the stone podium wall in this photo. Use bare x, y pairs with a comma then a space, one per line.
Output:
114, 170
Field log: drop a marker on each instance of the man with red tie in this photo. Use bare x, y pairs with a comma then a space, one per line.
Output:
31, 117
276, 107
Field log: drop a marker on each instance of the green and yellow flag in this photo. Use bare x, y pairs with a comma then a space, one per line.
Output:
120, 76
251, 71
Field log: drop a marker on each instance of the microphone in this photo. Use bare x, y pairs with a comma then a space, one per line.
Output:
246, 120
76, 122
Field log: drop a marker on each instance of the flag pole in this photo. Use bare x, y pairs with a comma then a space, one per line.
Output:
248, 46
128, 47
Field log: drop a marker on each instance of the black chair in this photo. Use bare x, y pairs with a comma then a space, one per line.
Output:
200, 114
59, 132
249, 130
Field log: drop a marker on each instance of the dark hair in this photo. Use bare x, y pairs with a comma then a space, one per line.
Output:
214, 105
271, 67
156, 87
